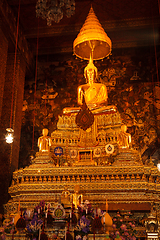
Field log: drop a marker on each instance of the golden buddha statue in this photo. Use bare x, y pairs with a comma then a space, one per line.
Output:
95, 94
44, 142
124, 138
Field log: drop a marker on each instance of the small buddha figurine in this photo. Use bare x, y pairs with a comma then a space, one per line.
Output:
44, 142
77, 198
124, 138
95, 94
66, 197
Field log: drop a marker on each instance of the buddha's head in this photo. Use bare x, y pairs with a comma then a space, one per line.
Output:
124, 128
45, 132
90, 72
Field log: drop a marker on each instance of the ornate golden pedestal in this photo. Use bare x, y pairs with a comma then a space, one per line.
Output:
124, 180
119, 184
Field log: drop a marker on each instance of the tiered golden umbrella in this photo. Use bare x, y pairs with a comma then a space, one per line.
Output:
92, 40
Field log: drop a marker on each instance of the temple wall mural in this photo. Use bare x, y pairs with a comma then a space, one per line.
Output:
133, 87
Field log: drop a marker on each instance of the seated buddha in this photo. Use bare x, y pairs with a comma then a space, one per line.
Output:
95, 94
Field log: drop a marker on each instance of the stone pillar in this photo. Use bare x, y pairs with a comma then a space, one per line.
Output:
3, 60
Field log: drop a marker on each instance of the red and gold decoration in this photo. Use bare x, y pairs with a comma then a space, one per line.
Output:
59, 212
85, 117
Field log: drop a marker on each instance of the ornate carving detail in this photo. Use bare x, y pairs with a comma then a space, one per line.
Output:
85, 117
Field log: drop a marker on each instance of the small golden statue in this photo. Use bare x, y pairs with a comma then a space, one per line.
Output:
66, 197
77, 198
124, 138
95, 94
44, 142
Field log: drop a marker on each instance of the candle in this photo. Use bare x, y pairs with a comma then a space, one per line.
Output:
39, 234
48, 207
65, 234
29, 213
81, 198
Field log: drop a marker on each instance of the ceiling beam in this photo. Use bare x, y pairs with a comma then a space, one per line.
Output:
69, 49
64, 30
23, 2
29, 2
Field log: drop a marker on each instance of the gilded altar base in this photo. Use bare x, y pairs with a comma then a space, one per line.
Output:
94, 160
118, 184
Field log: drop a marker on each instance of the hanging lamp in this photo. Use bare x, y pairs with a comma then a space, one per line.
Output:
54, 10
9, 135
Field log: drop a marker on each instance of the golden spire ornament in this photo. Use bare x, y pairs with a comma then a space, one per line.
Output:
92, 40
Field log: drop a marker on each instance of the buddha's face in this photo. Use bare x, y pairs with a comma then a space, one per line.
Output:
45, 132
124, 128
90, 75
